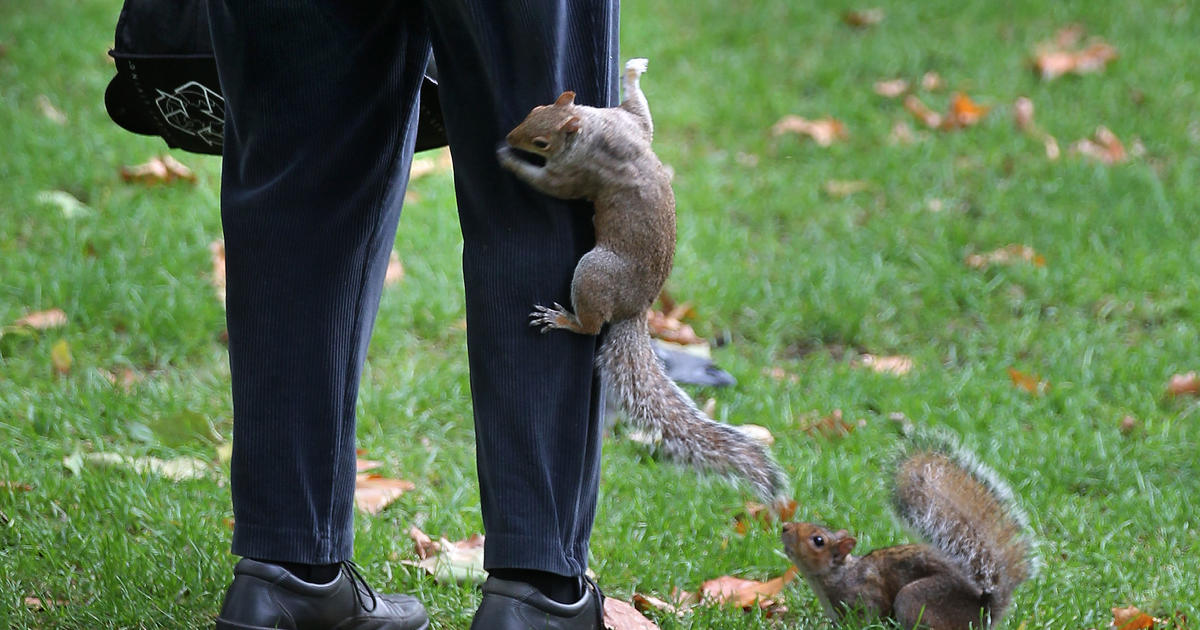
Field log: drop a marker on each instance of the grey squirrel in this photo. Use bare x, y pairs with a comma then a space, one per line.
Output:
573, 151
979, 548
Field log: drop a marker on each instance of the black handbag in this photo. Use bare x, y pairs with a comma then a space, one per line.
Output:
167, 85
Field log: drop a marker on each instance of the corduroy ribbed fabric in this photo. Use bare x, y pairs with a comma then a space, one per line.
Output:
320, 121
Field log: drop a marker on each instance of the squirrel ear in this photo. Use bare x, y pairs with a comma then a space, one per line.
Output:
571, 125
844, 545
566, 98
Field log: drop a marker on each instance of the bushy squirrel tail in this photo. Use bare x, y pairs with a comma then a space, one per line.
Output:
962, 508
654, 403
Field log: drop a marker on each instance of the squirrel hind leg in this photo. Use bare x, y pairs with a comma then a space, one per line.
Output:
941, 602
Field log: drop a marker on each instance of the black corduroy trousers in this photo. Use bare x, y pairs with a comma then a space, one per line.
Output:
321, 109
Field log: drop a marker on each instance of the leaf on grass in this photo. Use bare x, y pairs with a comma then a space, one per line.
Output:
159, 169
439, 162
1062, 56
124, 378
1128, 425
963, 112
862, 18
37, 604
902, 133
931, 81
1007, 255
181, 468
363, 465
15, 486
1130, 618
47, 109
779, 374
620, 615
830, 427
1031, 383
823, 131
755, 432
672, 329
1023, 119
892, 88
42, 320
68, 204
395, 270
838, 188
1103, 146
764, 516
60, 356
1187, 384
373, 492
216, 250
449, 561
747, 594
896, 365
648, 602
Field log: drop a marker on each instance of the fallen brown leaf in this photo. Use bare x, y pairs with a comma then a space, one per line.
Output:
372, 492
1031, 383
159, 169
896, 365
1103, 146
620, 615
47, 109
756, 432
902, 133
823, 131
37, 604
1053, 60
216, 251
124, 378
648, 602
963, 112
837, 188
1187, 384
15, 486
1130, 618
1006, 255
60, 356
931, 81
672, 329
42, 320
892, 88
1023, 118
449, 561
829, 427
395, 270
862, 18
1128, 425
764, 516
745, 594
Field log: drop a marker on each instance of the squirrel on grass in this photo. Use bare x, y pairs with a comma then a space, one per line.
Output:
603, 155
979, 548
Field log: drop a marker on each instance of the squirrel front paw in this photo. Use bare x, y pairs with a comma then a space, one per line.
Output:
547, 318
635, 68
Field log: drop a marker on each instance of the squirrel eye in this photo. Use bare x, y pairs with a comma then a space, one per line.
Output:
541, 143
819, 541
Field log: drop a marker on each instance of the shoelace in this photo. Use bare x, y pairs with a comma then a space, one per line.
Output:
360, 585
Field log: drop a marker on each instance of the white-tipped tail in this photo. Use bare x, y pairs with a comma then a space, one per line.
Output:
655, 404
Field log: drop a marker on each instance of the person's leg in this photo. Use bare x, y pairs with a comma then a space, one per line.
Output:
320, 119
536, 397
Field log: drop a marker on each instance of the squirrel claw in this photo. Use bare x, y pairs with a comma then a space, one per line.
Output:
545, 317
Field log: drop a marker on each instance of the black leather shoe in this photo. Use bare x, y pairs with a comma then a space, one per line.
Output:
509, 605
265, 596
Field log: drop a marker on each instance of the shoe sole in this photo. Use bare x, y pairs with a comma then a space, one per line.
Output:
383, 625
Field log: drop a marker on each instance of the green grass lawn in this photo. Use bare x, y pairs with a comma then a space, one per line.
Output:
794, 279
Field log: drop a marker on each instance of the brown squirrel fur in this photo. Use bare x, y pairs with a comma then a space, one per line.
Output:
979, 550
604, 155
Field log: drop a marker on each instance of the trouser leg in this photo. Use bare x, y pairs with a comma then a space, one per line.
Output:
320, 117
536, 397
